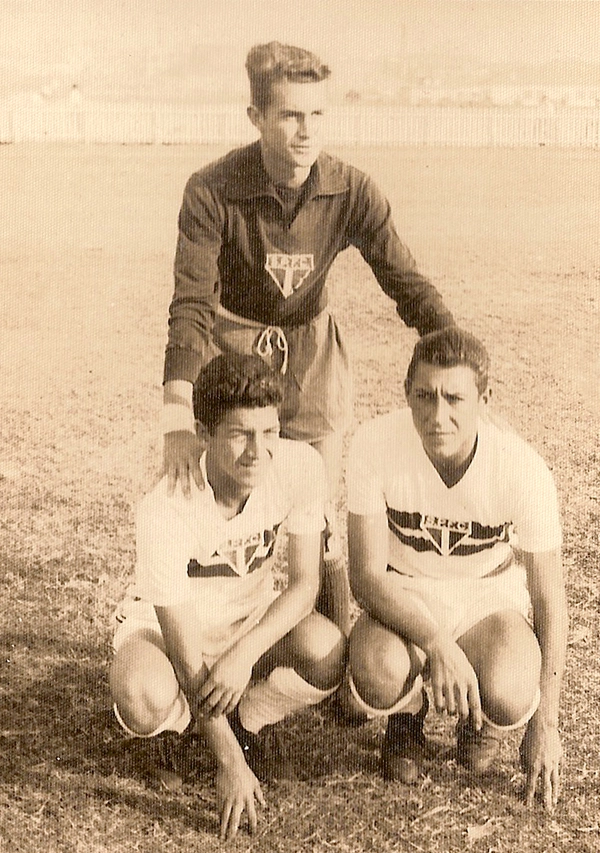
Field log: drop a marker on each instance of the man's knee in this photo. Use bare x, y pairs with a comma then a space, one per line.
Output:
318, 650
380, 664
508, 668
143, 686
509, 690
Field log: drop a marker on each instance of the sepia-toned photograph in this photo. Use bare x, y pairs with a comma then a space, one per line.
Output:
300, 460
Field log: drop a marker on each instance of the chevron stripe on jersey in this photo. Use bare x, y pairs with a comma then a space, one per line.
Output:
237, 558
444, 536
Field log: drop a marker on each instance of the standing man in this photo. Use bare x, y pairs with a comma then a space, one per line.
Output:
454, 539
258, 232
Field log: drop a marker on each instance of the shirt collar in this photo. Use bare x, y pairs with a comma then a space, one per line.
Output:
326, 177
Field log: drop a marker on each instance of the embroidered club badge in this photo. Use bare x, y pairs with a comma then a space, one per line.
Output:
289, 272
444, 533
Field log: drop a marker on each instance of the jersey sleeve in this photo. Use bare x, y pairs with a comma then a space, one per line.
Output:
374, 234
309, 492
197, 284
163, 550
366, 487
537, 523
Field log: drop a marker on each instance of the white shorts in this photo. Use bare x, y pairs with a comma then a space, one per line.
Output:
135, 615
458, 604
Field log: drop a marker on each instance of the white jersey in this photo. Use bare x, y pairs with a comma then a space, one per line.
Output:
506, 498
187, 550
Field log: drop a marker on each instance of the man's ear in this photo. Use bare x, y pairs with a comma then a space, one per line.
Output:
486, 396
254, 115
201, 431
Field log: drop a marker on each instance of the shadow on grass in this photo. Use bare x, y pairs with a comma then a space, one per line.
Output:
57, 710
56, 739
59, 738
54, 688
58, 735
87, 796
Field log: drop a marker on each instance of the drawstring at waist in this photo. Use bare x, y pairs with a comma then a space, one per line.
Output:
270, 339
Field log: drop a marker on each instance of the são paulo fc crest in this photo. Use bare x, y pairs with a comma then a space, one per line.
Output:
444, 536
444, 533
237, 557
289, 271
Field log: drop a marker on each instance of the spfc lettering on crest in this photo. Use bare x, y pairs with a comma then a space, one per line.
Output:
289, 271
248, 554
237, 557
444, 533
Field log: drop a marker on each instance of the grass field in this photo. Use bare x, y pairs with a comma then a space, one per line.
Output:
87, 237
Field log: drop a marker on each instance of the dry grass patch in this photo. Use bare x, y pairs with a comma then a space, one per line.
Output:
510, 238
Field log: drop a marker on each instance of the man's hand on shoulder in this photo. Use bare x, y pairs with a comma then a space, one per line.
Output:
181, 460
453, 680
541, 754
182, 448
238, 791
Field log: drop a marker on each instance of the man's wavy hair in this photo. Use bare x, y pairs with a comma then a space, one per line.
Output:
269, 64
234, 382
451, 347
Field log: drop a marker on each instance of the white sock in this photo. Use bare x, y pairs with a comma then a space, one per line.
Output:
278, 696
180, 716
512, 726
409, 703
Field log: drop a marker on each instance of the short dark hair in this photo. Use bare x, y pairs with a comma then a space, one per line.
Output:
451, 347
269, 64
232, 382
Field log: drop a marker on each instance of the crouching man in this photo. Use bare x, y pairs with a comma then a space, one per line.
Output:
203, 635
439, 498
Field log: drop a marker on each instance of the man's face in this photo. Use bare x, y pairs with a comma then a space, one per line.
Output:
290, 127
241, 449
445, 405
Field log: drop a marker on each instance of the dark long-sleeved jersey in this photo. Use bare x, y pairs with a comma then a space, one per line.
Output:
240, 246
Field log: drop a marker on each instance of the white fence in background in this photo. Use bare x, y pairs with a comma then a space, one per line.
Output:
355, 125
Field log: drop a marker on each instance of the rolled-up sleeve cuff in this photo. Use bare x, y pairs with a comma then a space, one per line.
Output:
182, 363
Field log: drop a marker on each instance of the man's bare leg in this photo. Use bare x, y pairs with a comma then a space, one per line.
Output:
334, 595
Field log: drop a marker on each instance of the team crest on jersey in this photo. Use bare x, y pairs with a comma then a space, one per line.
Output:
237, 556
289, 272
445, 536
444, 533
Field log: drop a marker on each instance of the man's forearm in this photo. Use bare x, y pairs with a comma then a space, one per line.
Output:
177, 414
191, 320
221, 740
379, 591
294, 603
185, 363
291, 607
196, 292
178, 626
551, 627
386, 601
419, 303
